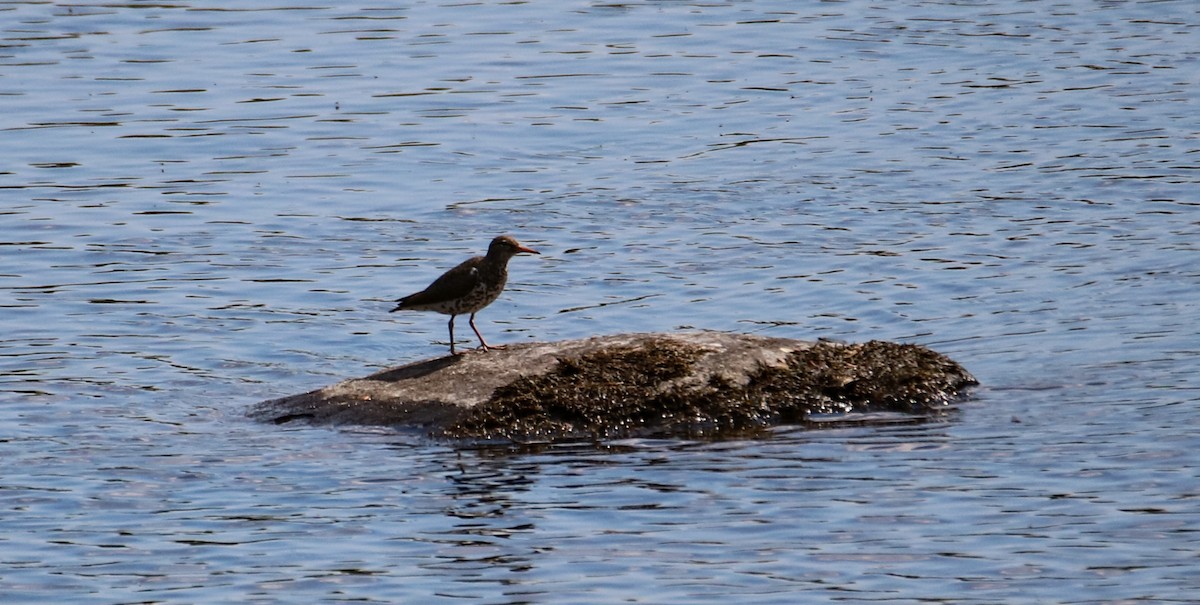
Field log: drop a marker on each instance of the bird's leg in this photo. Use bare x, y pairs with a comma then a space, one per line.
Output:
452, 335
483, 342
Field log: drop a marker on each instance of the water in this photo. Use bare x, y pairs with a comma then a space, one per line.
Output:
204, 206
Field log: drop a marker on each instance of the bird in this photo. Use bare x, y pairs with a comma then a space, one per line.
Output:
469, 287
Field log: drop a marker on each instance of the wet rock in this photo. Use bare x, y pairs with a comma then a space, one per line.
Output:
635, 384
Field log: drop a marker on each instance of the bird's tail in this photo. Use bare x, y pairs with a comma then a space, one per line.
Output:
400, 304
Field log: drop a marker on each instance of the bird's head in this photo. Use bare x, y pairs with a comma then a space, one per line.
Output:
506, 247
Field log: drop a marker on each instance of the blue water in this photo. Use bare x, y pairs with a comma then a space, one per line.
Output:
203, 206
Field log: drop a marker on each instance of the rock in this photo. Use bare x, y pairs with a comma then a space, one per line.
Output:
635, 384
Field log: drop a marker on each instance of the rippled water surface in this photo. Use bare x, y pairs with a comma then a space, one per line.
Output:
205, 205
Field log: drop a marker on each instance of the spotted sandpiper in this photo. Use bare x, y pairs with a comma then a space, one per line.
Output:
469, 287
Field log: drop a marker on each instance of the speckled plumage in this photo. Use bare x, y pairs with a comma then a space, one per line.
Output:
469, 287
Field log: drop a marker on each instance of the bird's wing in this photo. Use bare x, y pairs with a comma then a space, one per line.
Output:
455, 283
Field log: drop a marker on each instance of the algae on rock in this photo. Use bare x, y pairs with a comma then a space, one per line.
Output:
636, 390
